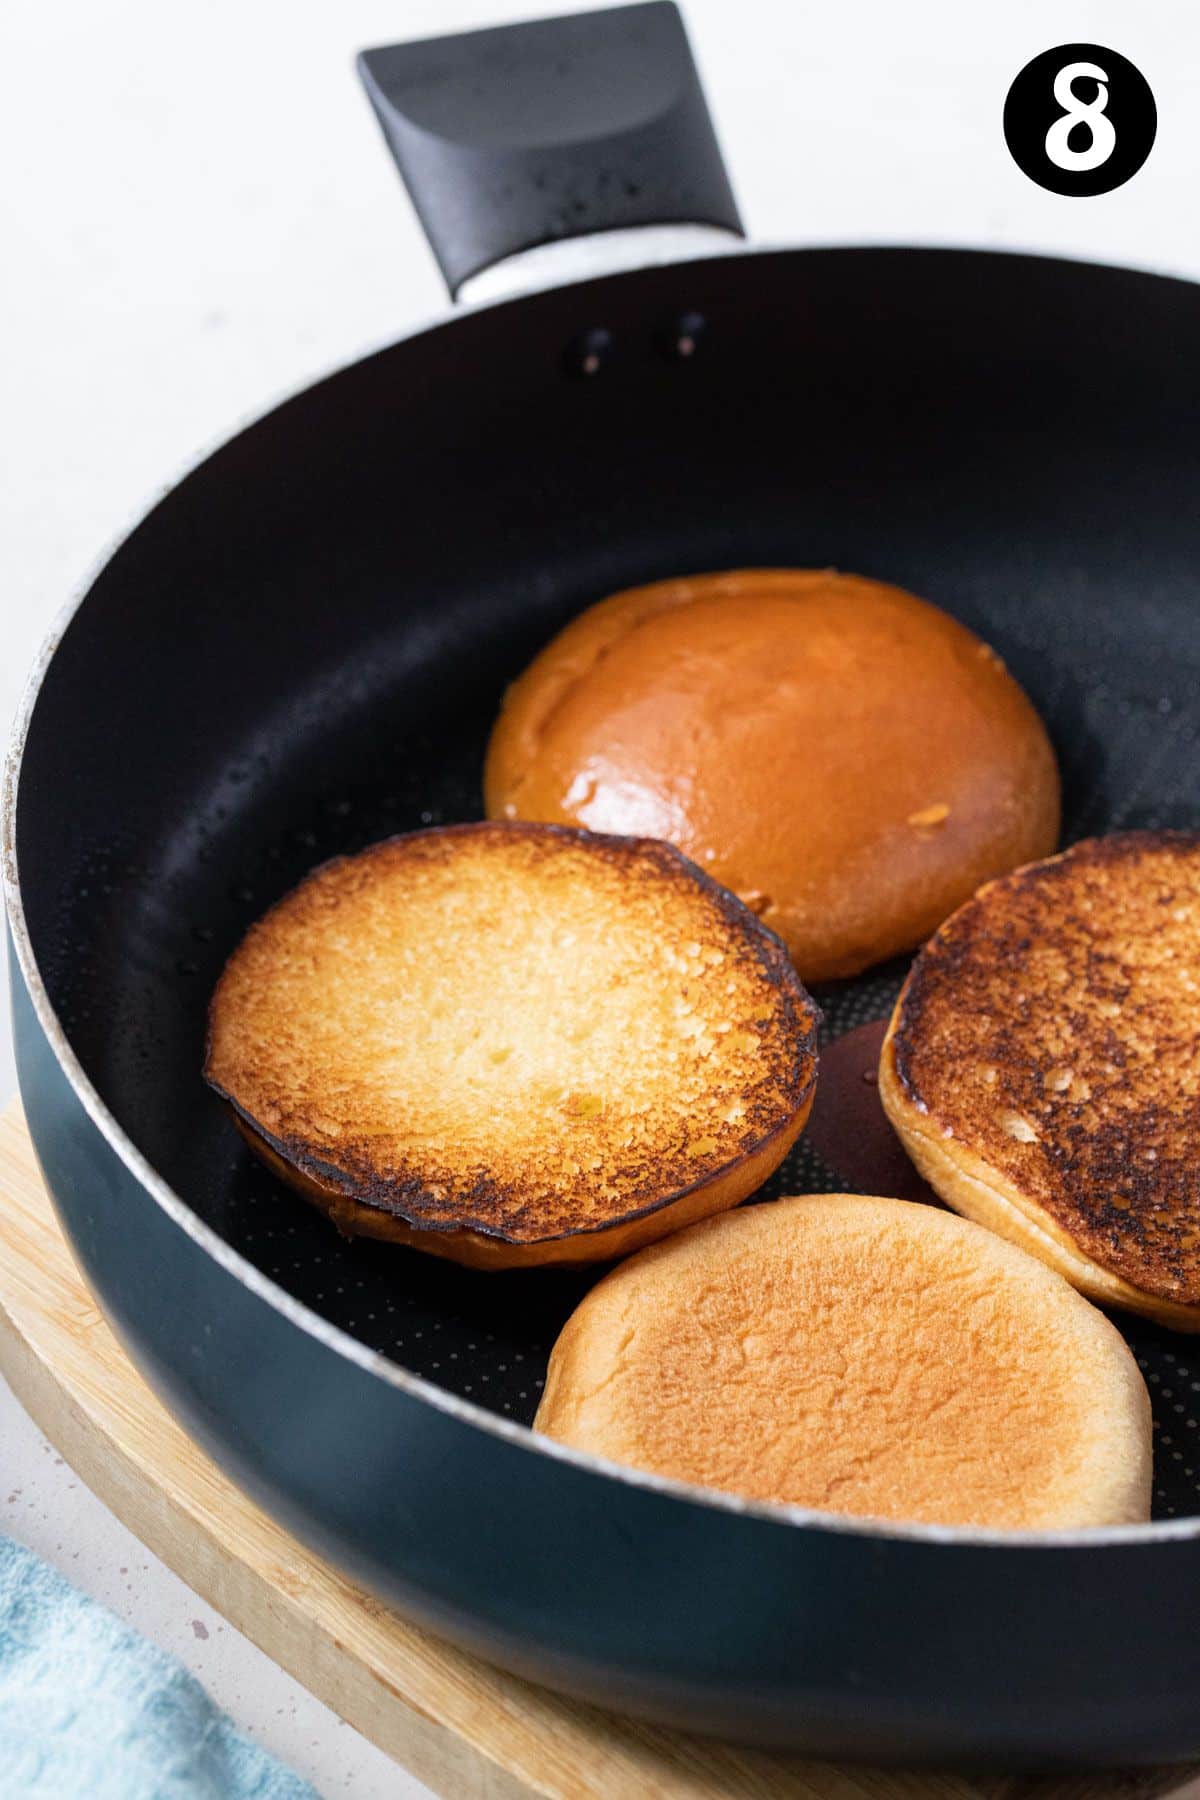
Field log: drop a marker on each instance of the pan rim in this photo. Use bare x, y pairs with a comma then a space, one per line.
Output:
296, 1313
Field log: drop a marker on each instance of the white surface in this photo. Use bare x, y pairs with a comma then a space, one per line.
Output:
198, 214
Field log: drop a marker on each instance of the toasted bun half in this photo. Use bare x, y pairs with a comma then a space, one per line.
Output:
1042, 1067
847, 758
514, 1044
861, 1356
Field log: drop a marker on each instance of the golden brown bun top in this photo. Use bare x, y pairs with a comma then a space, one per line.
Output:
518, 1030
849, 759
862, 1356
1052, 1027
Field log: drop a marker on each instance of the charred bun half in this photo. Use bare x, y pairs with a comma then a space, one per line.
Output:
847, 758
511, 1045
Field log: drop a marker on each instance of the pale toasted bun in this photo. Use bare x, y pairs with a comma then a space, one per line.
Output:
864, 1356
847, 758
514, 1044
1042, 1070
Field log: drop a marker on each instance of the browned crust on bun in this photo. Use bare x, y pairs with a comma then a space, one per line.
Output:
858, 1355
514, 1044
1043, 1067
849, 759
475, 1250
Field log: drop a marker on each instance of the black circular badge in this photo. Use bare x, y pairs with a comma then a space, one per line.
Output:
1080, 119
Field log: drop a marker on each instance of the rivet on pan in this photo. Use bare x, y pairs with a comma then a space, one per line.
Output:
588, 353
680, 339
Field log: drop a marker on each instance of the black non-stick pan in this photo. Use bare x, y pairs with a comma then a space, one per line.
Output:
302, 648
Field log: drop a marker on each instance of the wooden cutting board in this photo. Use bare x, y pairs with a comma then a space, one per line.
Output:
470, 1731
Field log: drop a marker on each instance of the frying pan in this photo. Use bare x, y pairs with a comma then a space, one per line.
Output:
302, 648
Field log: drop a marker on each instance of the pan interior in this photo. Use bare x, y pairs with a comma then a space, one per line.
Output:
303, 650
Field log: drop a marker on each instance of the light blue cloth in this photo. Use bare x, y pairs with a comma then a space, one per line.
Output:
91, 1711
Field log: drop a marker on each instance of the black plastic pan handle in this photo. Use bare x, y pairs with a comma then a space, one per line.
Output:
524, 134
